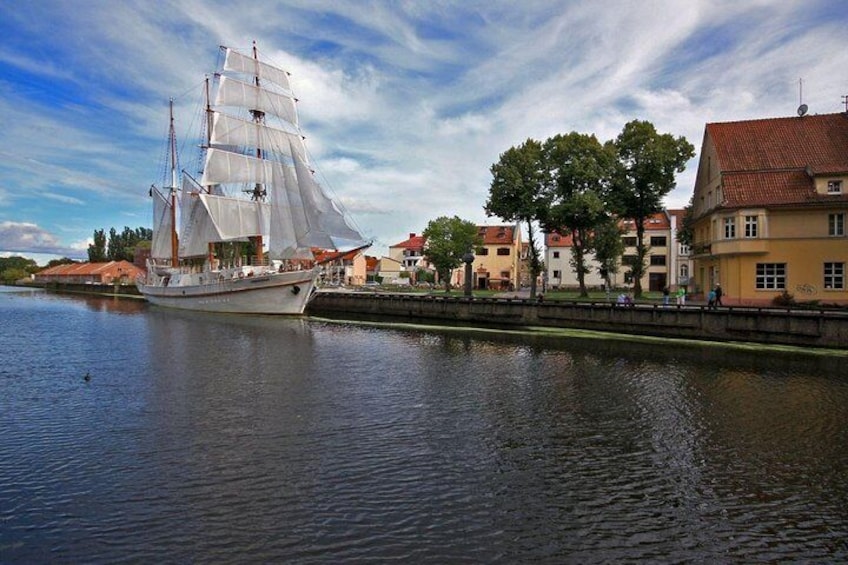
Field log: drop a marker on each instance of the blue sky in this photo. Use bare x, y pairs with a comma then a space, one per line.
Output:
405, 104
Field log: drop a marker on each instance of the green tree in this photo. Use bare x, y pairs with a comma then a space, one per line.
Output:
62, 261
97, 250
579, 170
448, 240
516, 195
16, 267
647, 164
608, 248
686, 233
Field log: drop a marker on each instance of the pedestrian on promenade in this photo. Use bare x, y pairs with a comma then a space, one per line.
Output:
718, 295
711, 299
681, 296
666, 297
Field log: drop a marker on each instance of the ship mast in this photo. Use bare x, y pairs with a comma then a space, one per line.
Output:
172, 138
258, 192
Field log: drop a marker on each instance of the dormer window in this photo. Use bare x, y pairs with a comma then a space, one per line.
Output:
834, 187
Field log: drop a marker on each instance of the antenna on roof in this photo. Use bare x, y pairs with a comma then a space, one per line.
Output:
802, 108
845, 101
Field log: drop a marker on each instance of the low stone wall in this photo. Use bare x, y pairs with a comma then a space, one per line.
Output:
813, 328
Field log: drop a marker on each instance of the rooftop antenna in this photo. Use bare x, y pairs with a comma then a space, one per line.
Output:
845, 101
802, 108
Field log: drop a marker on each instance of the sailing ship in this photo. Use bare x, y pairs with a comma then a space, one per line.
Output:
239, 239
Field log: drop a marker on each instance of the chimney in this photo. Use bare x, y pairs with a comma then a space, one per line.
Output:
411, 235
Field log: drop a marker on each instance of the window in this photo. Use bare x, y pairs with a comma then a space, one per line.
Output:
729, 228
834, 187
556, 254
483, 251
658, 241
629, 241
684, 249
836, 224
834, 276
503, 250
684, 272
658, 260
557, 274
751, 226
771, 276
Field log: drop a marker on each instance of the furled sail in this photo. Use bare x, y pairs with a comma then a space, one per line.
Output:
162, 225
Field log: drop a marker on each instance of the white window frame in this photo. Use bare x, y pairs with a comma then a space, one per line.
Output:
834, 187
834, 276
752, 226
770, 276
836, 224
730, 228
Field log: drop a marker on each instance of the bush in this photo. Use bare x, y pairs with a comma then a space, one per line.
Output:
784, 299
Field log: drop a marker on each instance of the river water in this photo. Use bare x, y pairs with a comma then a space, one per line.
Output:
134, 434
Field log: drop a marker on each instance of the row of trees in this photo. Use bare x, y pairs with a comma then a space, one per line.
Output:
16, 267
120, 246
575, 185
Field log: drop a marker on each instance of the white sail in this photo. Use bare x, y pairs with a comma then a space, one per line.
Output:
328, 227
234, 218
232, 92
196, 226
236, 62
162, 225
231, 131
288, 226
228, 167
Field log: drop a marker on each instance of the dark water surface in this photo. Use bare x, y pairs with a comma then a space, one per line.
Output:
225, 439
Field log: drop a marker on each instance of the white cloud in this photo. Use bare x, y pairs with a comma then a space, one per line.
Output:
405, 105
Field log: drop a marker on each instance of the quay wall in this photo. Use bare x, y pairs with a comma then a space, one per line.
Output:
810, 328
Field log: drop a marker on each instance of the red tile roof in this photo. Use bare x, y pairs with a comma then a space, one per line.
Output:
414, 242
819, 142
496, 235
773, 162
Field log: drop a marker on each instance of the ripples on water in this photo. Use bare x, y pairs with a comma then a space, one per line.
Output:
234, 439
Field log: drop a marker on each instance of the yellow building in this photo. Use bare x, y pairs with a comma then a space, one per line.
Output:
770, 208
497, 262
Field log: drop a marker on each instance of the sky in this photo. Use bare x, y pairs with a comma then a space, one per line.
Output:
405, 105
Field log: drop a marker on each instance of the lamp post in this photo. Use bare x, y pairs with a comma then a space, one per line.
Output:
468, 259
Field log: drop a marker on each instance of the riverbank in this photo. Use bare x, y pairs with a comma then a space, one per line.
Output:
820, 328
805, 328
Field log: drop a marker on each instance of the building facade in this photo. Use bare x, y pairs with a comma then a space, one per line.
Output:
770, 209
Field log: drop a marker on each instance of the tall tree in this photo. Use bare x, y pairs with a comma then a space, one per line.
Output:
608, 248
579, 170
647, 164
448, 240
516, 195
97, 250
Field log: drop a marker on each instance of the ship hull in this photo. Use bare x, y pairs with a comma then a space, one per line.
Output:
285, 293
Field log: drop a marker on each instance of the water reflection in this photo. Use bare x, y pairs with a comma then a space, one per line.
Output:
231, 438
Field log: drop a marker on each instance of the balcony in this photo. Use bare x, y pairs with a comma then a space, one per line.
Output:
739, 246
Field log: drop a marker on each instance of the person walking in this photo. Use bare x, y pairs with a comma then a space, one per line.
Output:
681, 296
718, 295
666, 296
711, 298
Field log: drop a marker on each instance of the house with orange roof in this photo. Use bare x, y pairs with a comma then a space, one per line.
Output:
111, 272
769, 209
497, 262
342, 268
410, 254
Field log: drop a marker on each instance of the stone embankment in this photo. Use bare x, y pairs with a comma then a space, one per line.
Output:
806, 328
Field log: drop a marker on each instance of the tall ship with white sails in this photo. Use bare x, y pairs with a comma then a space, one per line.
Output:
239, 239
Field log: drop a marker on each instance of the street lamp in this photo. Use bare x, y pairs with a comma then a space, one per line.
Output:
468, 259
